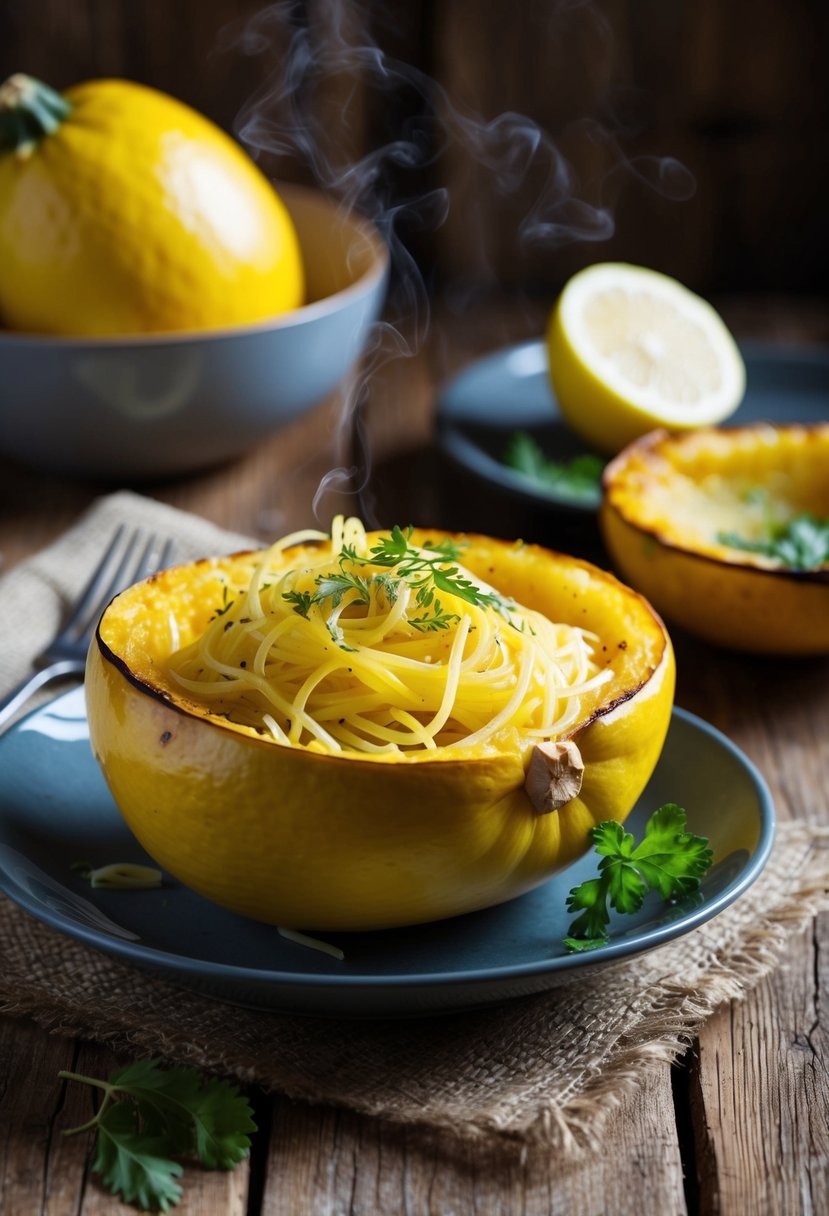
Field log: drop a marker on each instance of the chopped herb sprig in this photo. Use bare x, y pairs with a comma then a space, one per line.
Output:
801, 543
427, 570
579, 477
668, 859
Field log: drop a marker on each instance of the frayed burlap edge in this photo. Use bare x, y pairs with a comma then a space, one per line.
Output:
672, 1025
569, 1127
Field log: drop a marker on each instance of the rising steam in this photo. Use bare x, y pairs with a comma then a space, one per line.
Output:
302, 115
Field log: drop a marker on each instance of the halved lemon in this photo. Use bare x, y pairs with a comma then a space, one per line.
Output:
631, 350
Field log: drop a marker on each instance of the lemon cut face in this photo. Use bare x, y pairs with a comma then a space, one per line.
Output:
631, 350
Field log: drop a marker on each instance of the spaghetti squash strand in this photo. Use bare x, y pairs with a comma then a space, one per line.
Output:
338, 653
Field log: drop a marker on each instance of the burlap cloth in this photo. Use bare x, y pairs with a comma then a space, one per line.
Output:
545, 1068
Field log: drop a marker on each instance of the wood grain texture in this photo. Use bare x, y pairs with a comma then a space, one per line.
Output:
45, 1173
787, 740
619, 95
339, 1164
628, 92
189, 49
760, 1092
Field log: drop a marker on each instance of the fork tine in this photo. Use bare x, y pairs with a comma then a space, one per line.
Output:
110, 578
167, 554
152, 559
98, 581
121, 564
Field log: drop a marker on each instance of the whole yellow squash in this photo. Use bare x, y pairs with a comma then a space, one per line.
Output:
296, 837
123, 211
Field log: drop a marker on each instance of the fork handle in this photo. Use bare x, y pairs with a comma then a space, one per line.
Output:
18, 696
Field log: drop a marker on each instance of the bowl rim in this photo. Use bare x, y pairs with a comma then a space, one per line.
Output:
290, 193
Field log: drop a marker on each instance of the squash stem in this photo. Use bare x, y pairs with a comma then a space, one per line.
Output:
29, 111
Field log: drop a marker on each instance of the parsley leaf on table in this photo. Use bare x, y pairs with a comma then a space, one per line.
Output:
149, 1116
135, 1164
581, 476
668, 859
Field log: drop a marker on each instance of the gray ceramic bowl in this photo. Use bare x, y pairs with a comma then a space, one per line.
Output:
154, 405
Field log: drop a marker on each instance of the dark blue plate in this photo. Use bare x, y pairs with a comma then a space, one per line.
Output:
55, 810
481, 408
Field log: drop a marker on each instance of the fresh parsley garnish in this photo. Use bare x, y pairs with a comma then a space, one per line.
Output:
580, 477
150, 1116
801, 543
437, 618
301, 601
334, 586
427, 570
668, 859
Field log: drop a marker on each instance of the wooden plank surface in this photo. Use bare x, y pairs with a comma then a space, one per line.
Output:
743, 1129
759, 1092
340, 1164
46, 1173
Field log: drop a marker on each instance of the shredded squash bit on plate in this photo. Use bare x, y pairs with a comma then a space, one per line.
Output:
374, 645
121, 875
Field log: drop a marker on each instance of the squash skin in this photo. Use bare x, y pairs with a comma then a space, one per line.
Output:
293, 837
731, 598
137, 215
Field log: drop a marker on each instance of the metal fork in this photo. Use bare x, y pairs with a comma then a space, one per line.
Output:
129, 557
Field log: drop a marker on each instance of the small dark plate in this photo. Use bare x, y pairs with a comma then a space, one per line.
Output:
56, 810
481, 408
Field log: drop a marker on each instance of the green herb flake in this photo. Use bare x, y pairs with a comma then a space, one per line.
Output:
668, 859
225, 605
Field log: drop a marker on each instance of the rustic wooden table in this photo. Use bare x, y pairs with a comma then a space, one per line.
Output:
740, 1125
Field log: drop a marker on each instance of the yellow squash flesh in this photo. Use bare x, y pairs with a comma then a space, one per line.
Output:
129, 213
666, 501
308, 840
